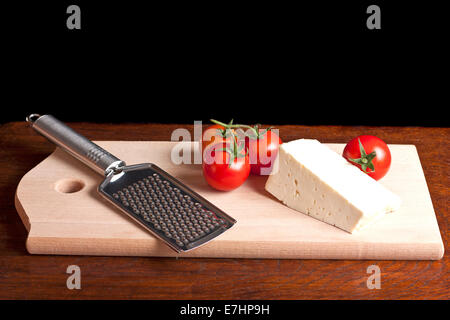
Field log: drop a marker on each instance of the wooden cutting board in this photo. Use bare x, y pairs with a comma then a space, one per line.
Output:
59, 206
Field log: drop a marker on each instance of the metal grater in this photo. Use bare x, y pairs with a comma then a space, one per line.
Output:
164, 206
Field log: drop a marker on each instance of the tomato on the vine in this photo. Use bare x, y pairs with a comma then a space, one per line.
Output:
263, 150
370, 154
215, 134
225, 166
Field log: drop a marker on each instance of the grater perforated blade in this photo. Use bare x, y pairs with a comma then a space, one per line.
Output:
161, 204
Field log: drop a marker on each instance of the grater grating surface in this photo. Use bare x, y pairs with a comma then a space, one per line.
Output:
163, 205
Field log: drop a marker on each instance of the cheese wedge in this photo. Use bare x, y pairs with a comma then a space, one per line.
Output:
313, 179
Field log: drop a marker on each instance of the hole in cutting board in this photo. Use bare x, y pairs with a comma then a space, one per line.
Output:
69, 185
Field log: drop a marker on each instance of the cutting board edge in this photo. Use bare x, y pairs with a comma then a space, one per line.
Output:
252, 250
17, 202
20, 209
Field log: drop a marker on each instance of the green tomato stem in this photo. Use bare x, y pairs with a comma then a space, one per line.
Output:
366, 159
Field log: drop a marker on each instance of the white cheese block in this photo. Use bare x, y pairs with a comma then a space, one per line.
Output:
313, 179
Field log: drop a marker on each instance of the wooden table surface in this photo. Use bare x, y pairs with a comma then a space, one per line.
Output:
24, 276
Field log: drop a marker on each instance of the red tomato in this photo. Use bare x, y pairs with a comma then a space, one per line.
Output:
225, 170
370, 154
263, 151
213, 135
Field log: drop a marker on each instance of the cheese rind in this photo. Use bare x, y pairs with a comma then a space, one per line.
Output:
315, 180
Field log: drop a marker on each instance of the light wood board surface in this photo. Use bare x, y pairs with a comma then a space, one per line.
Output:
82, 223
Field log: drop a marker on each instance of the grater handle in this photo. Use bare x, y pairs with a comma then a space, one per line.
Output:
74, 143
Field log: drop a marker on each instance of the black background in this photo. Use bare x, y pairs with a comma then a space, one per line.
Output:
279, 309
257, 62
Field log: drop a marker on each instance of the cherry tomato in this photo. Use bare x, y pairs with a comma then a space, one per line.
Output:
263, 151
213, 135
370, 154
225, 170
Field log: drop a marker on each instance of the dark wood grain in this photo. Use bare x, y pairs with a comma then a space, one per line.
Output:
23, 276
